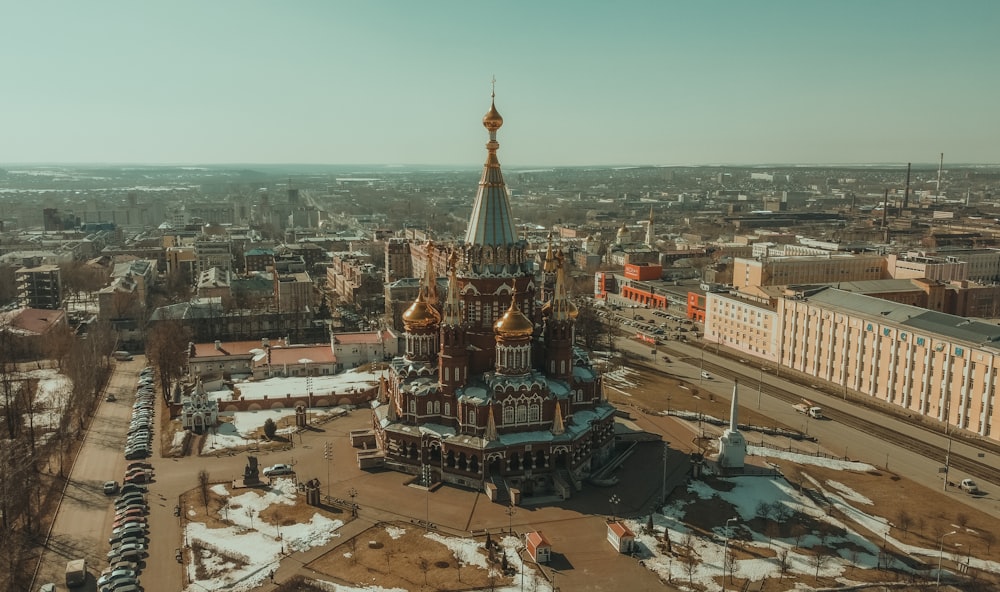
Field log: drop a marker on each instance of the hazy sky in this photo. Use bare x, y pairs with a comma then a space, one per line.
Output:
578, 83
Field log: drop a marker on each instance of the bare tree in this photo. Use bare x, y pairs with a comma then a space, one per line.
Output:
989, 538
166, 350
689, 558
729, 563
819, 560
424, 566
904, 521
962, 519
783, 563
203, 482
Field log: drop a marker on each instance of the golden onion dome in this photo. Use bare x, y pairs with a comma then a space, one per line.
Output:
420, 314
513, 323
573, 311
623, 230
492, 120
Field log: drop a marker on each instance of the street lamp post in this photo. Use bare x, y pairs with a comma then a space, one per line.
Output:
328, 455
511, 510
725, 552
760, 385
426, 470
940, 555
615, 500
354, 507
663, 487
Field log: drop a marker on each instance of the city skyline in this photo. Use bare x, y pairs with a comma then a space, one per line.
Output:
648, 83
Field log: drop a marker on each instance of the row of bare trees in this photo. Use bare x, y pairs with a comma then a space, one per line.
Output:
38, 435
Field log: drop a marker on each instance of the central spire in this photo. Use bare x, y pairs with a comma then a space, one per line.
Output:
492, 223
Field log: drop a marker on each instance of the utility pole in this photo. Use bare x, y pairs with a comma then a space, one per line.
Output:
663, 497
328, 455
760, 385
947, 463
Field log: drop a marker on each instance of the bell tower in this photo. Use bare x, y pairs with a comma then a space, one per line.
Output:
453, 359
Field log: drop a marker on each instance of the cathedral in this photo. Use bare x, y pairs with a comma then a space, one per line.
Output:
491, 392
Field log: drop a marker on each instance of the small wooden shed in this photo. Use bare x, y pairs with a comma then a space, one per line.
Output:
620, 537
539, 547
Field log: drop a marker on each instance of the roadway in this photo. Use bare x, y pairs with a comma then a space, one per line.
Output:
837, 436
82, 523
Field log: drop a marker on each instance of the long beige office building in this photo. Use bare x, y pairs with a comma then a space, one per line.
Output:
937, 365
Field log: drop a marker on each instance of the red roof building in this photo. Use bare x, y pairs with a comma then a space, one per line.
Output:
539, 547
620, 537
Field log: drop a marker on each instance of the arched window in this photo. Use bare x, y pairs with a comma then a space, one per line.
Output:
522, 413
413, 406
472, 416
447, 409
437, 407
508, 415
533, 413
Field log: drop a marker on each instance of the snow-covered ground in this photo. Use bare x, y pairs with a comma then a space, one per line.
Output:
242, 555
345, 382
238, 558
51, 397
746, 495
239, 430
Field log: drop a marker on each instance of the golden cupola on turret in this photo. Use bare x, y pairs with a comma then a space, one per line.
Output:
513, 324
420, 315
492, 120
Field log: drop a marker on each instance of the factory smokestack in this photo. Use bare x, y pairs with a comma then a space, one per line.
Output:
906, 192
940, 166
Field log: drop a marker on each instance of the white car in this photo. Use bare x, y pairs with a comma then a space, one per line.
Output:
279, 469
969, 485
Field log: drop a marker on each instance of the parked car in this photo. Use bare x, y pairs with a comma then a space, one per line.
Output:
110, 487
133, 528
137, 478
137, 551
119, 575
278, 469
128, 539
139, 512
128, 487
136, 453
123, 520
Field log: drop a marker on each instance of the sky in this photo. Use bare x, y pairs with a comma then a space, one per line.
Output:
579, 83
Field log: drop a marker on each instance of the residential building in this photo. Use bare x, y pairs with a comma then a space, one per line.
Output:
39, 287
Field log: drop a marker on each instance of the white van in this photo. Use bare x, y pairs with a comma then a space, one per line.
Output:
122, 356
705, 375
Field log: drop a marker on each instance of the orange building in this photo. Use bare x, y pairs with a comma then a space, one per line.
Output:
939, 366
643, 271
539, 547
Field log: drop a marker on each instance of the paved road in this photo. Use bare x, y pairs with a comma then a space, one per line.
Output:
833, 437
82, 523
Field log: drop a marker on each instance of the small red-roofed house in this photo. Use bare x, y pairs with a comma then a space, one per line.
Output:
539, 547
620, 537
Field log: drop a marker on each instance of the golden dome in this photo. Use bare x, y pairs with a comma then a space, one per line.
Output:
513, 323
492, 120
573, 311
420, 314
